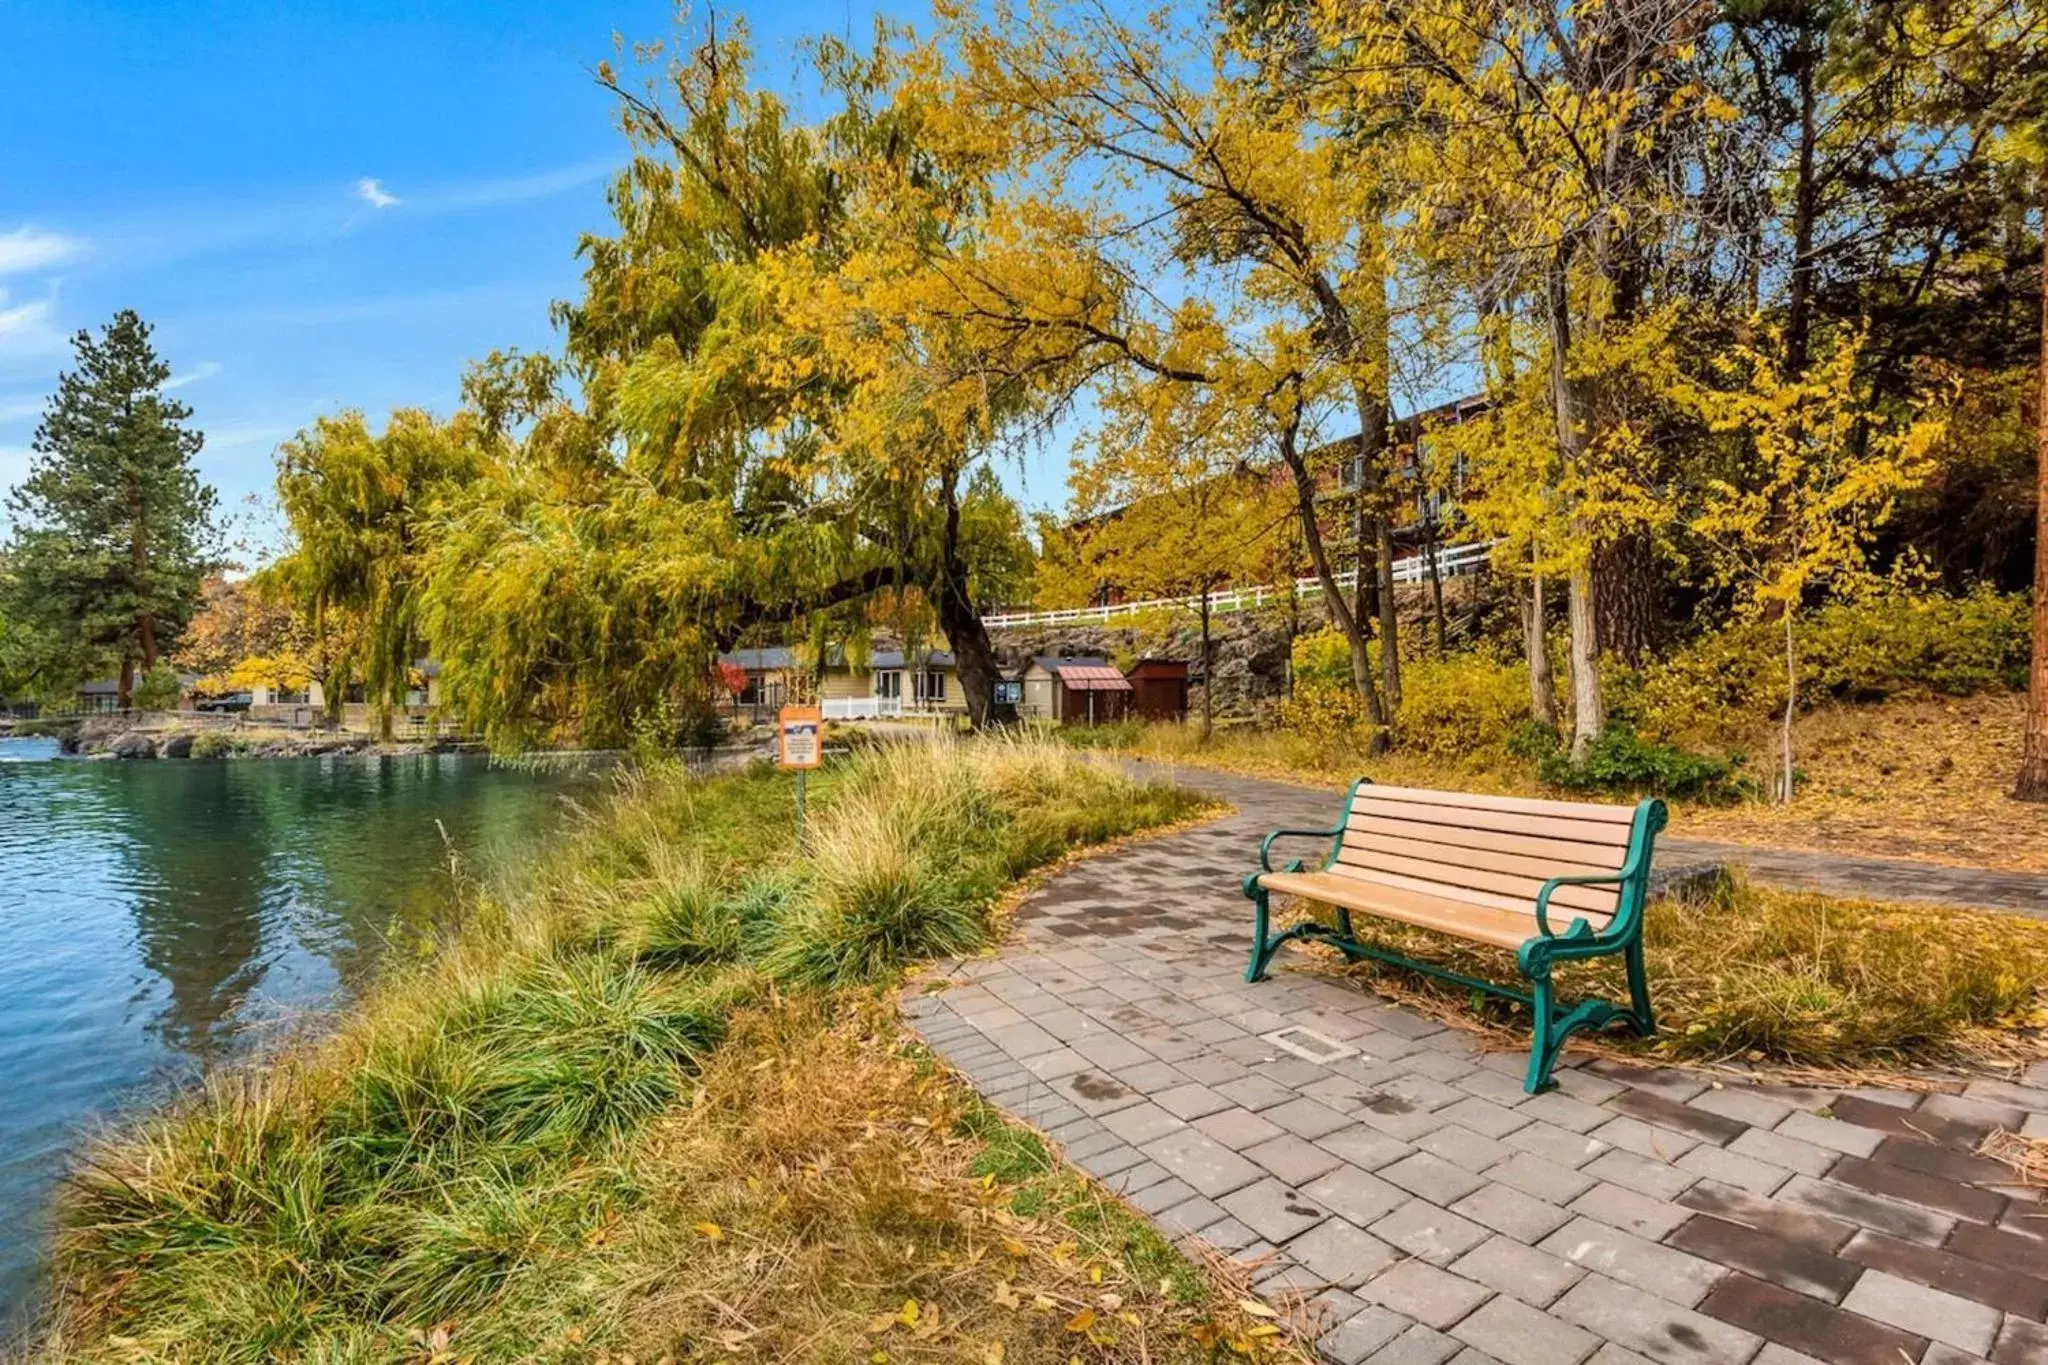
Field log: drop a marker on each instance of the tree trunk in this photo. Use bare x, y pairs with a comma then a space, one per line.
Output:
2033, 777
1536, 643
1589, 710
1625, 598
1799, 302
125, 691
1431, 548
1390, 612
1589, 713
145, 627
1208, 670
974, 657
1347, 624
1791, 710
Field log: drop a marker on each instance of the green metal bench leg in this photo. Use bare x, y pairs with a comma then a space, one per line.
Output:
1543, 1039
1639, 991
1263, 944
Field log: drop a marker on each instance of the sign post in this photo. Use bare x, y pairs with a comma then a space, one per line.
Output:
800, 748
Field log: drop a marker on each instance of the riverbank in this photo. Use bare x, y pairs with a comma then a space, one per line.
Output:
644, 1103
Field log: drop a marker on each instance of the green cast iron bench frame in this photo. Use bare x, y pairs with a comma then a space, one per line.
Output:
1489, 869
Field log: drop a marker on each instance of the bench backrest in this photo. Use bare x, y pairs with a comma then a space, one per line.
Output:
1497, 851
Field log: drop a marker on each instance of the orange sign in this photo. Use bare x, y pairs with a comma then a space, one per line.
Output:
803, 737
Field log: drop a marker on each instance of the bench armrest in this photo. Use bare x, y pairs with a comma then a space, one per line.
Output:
1583, 879
1266, 846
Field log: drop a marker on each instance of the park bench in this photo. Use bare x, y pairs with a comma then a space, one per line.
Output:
1551, 881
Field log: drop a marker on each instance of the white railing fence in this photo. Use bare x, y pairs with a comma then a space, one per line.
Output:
1452, 561
861, 708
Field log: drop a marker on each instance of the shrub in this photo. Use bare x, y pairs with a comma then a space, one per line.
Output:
1464, 706
212, 744
157, 690
1620, 760
1897, 644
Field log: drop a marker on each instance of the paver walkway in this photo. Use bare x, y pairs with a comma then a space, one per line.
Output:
1392, 1168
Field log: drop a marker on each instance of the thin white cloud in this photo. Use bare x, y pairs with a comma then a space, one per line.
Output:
27, 248
374, 194
205, 369
27, 331
241, 436
490, 194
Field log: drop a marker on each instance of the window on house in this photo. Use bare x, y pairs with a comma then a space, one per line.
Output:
889, 685
930, 685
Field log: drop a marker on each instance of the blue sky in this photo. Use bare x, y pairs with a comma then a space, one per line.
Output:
319, 206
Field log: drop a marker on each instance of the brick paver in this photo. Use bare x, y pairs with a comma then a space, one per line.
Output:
1392, 1170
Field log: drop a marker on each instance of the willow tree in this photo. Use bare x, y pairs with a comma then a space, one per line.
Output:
361, 507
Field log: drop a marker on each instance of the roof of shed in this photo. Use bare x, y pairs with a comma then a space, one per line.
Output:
1094, 678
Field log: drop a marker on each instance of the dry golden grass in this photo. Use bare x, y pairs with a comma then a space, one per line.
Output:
1904, 779
1750, 974
2028, 1156
833, 1195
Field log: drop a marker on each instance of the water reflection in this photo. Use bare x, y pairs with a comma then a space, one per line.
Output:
151, 913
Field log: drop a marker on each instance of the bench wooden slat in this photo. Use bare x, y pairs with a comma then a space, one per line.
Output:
1524, 906
1527, 805
1506, 822
1479, 924
1483, 872
1591, 857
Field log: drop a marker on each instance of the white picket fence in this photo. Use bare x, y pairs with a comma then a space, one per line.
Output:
1452, 560
862, 708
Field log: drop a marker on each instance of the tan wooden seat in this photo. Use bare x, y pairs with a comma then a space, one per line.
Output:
1547, 880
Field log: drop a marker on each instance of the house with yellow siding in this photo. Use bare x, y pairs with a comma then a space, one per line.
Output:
893, 682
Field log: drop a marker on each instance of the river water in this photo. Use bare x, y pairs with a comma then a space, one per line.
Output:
158, 917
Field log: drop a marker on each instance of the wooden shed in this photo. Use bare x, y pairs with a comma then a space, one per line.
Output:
1159, 689
1084, 691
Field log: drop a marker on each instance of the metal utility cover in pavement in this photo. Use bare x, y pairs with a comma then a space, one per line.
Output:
1307, 1044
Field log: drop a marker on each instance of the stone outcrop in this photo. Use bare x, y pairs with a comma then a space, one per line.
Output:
133, 744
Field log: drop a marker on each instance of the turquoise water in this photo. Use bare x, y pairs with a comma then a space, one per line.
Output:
158, 918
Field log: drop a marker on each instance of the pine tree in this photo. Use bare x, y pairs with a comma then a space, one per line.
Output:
113, 529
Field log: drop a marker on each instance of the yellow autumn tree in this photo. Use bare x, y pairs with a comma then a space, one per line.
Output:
1800, 523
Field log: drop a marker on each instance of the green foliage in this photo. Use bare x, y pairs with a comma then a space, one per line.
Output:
359, 504
1889, 645
1464, 706
113, 531
1621, 761
212, 744
157, 689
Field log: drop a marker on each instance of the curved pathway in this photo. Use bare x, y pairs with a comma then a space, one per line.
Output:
1392, 1173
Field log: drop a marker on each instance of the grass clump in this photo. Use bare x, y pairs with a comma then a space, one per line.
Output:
1754, 973
490, 1151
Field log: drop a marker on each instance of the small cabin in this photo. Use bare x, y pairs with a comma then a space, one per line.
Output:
1159, 689
1074, 691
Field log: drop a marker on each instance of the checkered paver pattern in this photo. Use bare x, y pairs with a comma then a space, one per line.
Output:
1432, 1213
